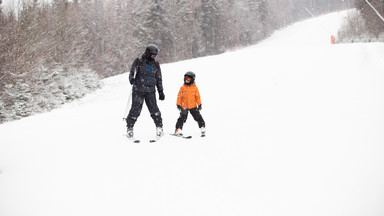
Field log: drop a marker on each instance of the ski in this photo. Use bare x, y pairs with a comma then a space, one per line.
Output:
182, 136
155, 140
133, 139
159, 134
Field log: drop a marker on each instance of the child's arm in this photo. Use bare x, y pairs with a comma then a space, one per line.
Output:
198, 99
179, 97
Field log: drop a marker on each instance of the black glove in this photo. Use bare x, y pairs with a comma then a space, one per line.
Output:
132, 81
200, 107
161, 96
179, 107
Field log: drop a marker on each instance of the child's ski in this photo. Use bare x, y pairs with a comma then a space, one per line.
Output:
182, 136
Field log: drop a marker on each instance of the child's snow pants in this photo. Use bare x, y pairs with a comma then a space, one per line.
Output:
184, 115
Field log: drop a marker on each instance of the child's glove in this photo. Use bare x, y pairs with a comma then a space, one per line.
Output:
200, 107
179, 108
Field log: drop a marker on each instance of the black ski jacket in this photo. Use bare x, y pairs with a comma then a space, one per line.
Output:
145, 74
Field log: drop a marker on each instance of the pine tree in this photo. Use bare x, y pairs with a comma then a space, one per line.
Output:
181, 16
158, 27
209, 24
121, 33
372, 21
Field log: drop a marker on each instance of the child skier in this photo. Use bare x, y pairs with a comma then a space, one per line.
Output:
188, 100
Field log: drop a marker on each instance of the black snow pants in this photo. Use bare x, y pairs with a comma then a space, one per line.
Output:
183, 118
138, 99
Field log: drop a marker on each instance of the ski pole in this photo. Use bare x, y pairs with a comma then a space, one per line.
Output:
128, 104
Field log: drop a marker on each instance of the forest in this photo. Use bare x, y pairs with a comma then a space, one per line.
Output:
54, 52
365, 24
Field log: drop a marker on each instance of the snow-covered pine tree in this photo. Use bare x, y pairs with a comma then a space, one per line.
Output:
121, 46
372, 22
181, 16
158, 27
209, 16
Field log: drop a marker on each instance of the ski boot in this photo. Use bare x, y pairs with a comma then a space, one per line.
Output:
159, 132
178, 132
130, 133
202, 130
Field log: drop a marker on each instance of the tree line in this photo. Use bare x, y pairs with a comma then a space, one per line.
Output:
52, 53
365, 24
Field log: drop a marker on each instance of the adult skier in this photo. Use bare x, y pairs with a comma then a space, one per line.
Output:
145, 76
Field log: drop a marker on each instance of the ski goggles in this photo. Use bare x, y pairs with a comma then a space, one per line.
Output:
153, 56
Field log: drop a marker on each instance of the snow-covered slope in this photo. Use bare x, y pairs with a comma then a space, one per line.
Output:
295, 127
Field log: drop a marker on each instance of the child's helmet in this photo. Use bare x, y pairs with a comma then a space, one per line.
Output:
190, 75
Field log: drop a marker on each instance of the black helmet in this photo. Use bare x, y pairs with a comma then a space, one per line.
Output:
190, 75
151, 50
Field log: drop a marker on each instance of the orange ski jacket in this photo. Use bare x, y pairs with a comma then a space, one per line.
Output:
189, 97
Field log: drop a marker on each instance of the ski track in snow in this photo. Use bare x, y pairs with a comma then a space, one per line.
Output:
294, 127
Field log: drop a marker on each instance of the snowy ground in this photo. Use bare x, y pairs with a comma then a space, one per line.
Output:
295, 127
